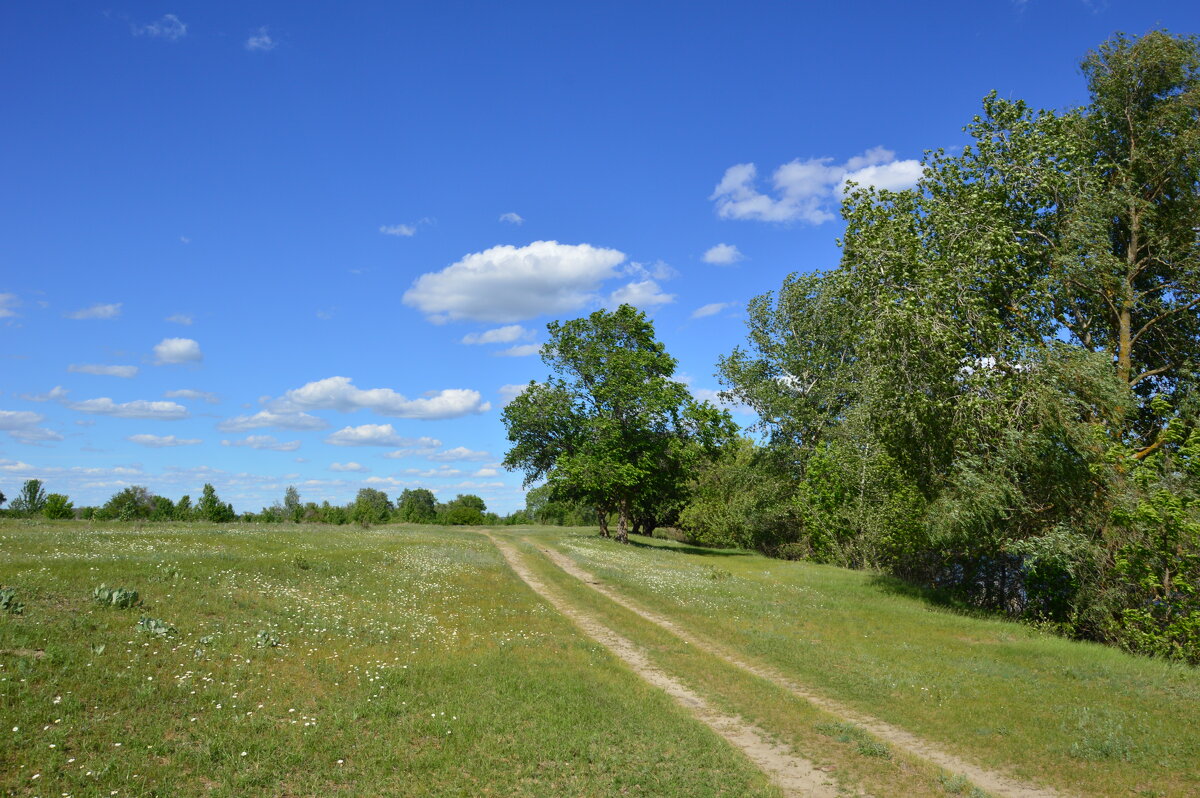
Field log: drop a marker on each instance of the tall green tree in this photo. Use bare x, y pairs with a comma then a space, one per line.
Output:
58, 506
416, 506
211, 508
608, 426
371, 506
32, 498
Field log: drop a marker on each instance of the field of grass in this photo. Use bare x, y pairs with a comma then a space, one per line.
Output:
318, 661
1086, 719
406, 660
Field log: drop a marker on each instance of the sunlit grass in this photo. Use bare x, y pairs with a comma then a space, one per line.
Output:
317, 661
1085, 718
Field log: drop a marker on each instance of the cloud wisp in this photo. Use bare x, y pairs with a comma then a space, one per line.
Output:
339, 393
162, 441
100, 312
125, 372
723, 255
169, 27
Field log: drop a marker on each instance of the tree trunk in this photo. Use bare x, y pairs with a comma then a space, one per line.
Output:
623, 521
602, 516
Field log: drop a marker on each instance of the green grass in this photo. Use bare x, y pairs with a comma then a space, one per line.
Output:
318, 661
867, 764
1085, 718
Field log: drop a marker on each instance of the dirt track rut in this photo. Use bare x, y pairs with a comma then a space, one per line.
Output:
991, 781
793, 774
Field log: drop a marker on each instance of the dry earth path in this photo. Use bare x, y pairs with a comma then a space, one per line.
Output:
991, 781
793, 774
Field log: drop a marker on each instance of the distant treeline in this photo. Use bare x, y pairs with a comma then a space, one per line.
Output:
370, 506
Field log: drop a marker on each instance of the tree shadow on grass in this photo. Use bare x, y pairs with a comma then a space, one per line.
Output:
936, 598
642, 542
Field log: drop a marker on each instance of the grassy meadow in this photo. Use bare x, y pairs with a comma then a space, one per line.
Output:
410, 660
318, 661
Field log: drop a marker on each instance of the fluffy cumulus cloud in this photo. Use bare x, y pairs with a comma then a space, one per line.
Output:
260, 41
372, 435
723, 255
711, 309
22, 426
807, 190
177, 350
267, 442
139, 408
500, 335
641, 294
458, 454
168, 27
512, 218
103, 312
188, 393
507, 284
268, 418
104, 371
338, 393
162, 441
351, 466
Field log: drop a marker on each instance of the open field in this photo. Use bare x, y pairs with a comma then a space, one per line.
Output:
413, 661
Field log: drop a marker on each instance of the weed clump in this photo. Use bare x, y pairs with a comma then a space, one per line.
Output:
155, 626
117, 597
8, 601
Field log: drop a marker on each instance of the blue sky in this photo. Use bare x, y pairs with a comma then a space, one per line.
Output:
261, 244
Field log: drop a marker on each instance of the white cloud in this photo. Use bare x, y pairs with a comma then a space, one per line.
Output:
7, 303
415, 446
893, 176
512, 218
443, 471
260, 41
371, 435
711, 309
457, 454
499, 335
264, 442
169, 27
486, 472
22, 425
177, 350
723, 255
180, 318
351, 466
15, 466
510, 392
140, 408
642, 294
162, 441
55, 394
97, 312
508, 284
268, 418
405, 230
104, 371
524, 350
188, 393
807, 189
338, 393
